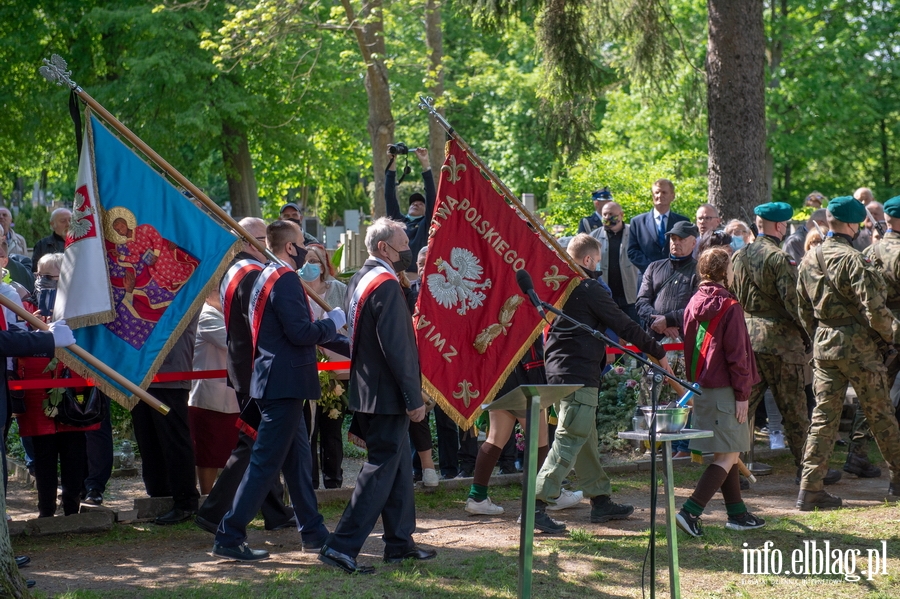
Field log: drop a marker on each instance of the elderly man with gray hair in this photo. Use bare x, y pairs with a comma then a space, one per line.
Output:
386, 394
14, 241
56, 241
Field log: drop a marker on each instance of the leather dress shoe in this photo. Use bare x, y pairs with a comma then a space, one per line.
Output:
93, 497
176, 516
314, 545
206, 524
30, 583
343, 561
292, 523
416, 553
22, 560
241, 553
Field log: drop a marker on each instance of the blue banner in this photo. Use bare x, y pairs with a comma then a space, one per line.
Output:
163, 254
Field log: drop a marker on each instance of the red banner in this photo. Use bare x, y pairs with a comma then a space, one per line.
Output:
472, 322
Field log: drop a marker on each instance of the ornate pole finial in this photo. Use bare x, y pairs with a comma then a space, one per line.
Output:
427, 103
54, 71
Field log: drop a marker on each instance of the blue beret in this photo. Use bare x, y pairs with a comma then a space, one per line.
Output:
847, 209
777, 212
892, 207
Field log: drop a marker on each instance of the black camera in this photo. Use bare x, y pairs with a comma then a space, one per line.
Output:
398, 149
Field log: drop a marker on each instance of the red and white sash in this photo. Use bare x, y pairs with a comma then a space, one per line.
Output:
369, 282
262, 287
232, 280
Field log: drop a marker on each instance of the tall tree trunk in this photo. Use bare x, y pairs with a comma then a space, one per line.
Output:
778, 24
368, 27
239, 173
735, 71
12, 584
885, 155
434, 40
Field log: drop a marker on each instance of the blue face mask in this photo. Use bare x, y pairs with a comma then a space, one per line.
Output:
310, 272
737, 243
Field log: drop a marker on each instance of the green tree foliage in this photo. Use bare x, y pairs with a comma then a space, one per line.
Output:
835, 113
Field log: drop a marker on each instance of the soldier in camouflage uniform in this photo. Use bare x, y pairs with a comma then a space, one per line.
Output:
765, 282
841, 299
885, 255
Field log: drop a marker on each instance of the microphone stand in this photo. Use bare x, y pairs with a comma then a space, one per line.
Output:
598, 335
656, 376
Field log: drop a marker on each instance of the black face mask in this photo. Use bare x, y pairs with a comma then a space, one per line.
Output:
611, 221
404, 260
300, 258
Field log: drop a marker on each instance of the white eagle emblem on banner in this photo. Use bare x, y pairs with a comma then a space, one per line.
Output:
459, 282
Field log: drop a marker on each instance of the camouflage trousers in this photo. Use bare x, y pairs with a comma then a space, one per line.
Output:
860, 433
830, 381
574, 446
786, 383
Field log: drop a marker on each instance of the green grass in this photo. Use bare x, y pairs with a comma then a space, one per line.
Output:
591, 561
588, 562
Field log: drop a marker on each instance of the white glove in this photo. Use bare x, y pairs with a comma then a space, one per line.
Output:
337, 315
62, 334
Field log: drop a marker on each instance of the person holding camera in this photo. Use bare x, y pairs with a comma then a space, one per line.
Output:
418, 217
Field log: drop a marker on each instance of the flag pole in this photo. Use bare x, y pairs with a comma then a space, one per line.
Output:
102, 367
54, 71
427, 104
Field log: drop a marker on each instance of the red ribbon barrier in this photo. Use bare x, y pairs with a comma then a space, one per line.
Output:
164, 377
667, 347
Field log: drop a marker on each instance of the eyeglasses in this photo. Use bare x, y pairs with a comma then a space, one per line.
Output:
705, 218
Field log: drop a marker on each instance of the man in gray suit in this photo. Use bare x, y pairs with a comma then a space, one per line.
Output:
386, 393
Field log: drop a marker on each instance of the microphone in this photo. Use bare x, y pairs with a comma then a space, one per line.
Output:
527, 287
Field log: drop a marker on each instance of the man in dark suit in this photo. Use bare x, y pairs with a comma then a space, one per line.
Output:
240, 368
648, 242
284, 374
601, 198
385, 392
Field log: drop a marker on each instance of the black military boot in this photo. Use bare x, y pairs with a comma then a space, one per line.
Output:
604, 510
860, 465
893, 492
807, 501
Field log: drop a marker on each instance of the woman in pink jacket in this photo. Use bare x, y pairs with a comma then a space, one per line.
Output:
718, 356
